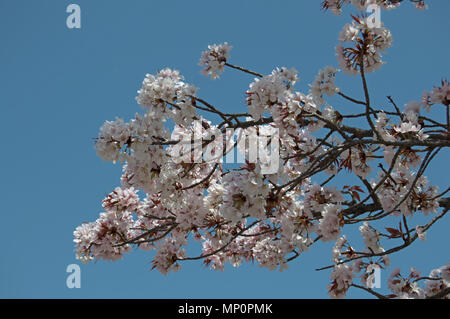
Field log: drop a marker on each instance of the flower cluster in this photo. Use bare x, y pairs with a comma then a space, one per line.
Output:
356, 160
244, 194
98, 240
214, 59
324, 84
341, 279
368, 44
288, 114
270, 90
408, 128
398, 194
336, 6
168, 96
331, 222
409, 288
342, 248
167, 254
439, 95
317, 197
121, 200
114, 135
371, 238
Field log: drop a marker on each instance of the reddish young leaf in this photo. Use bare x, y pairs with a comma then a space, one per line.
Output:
394, 232
357, 188
356, 195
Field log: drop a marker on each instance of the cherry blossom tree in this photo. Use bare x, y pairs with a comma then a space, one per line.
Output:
271, 218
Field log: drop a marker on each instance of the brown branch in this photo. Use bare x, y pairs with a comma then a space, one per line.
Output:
151, 231
243, 69
351, 99
367, 96
392, 250
371, 291
395, 106
223, 247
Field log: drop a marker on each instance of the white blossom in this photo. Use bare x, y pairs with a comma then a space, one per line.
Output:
214, 59
324, 84
330, 224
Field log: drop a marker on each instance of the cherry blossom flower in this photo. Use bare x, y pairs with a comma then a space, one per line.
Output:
356, 159
408, 287
168, 96
324, 84
214, 59
341, 278
111, 140
441, 94
420, 5
121, 200
166, 256
395, 188
330, 224
421, 234
98, 240
412, 106
244, 194
270, 90
368, 43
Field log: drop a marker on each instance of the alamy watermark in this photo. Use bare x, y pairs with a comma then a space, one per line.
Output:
73, 20
259, 146
374, 277
74, 278
373, 20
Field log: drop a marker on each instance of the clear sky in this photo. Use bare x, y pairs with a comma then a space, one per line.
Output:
58, 86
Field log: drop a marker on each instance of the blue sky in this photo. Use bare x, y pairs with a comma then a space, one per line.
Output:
59, 85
